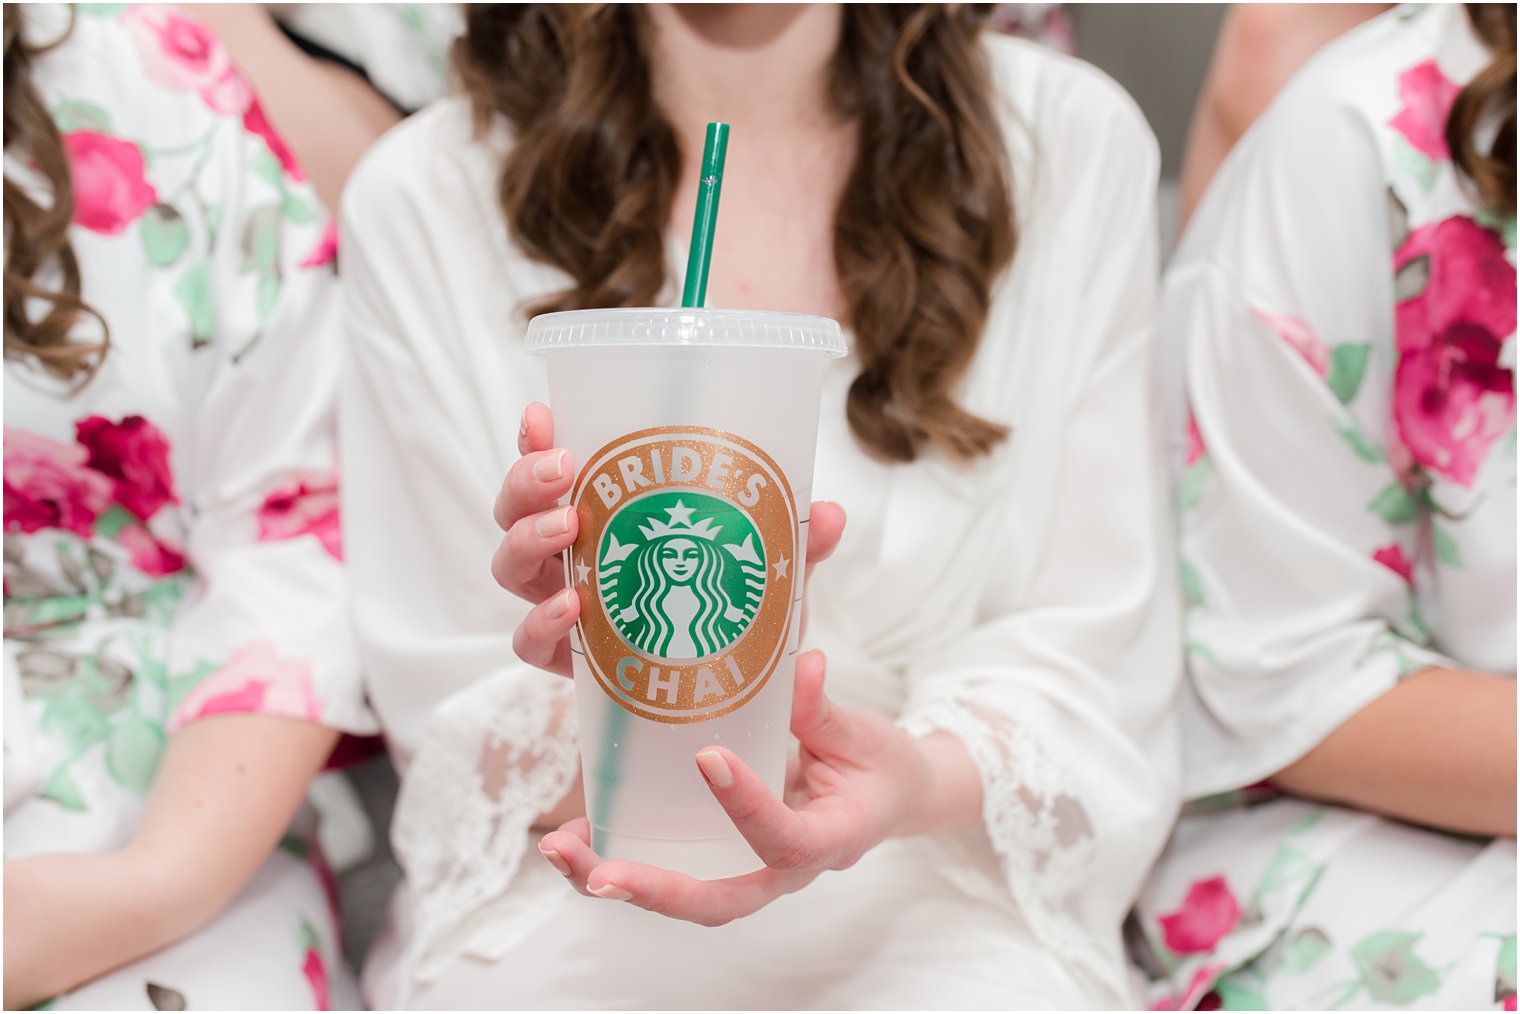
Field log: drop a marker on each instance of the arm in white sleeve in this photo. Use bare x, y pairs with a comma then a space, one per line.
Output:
1063, 691
486, 742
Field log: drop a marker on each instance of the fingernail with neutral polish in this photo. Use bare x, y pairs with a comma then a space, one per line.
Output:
715, 769
560, 603
552, 523
611, 892
555, 860
549, 468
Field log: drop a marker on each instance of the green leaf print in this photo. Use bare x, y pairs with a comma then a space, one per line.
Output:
1447, 550
113, 521
197, 296
299, 211
295, 845
213, 223
1309, 946
1309, 822
307, 937
179, 686
1394, 505
1193, 482
269, 293
266, 166
1389, 968
1504, 965
71, 115
54, 611
411, 17
1289, 868
1417, 166
165, 236
73, 722
1192, 585
1360, 446
132, 753
261, 239
1418, 632
1233, 996
63, 790
1504, 225
161, 599
1348, 363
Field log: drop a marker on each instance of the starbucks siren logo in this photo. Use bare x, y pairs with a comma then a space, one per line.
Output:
684, 566
677, 588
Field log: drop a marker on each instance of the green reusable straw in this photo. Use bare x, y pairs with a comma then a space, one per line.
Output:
714, 150
706, 220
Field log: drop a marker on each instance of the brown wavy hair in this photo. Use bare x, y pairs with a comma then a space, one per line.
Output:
924, 227
1489, 98
37, 235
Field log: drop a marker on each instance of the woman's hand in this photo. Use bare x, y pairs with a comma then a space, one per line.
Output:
528, 561
858, 780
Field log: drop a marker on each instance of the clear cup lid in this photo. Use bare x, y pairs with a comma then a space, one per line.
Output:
625, 326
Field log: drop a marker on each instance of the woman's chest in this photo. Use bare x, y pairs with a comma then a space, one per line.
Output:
922, 543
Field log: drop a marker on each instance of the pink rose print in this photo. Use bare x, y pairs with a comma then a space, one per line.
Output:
308, 506
326, 250
1509, 1002
1208, 913
136, 455
177, 51
1427, 96
110, 192
316, 974
255, 122
255, 680
1197, 990
1195, 447
1452, 398
50, 485
150, 556
1392, 557
229, 94
181, 53
313, 967
1297, 334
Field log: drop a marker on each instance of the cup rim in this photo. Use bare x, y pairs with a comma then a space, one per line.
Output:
684, 326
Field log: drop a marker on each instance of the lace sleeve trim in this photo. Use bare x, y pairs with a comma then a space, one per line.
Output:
493, 758
1043, 823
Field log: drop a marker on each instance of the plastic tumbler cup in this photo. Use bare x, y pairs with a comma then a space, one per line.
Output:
693, 434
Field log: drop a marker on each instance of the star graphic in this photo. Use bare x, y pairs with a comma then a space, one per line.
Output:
581, 570
781, 566
680, 514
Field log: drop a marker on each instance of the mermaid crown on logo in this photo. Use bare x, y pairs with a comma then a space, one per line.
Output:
680, 525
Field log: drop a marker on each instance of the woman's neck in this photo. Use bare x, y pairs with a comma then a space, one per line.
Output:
764, 68
765, 71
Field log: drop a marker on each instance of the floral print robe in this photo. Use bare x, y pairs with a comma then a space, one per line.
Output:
1348, 517
172, 550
